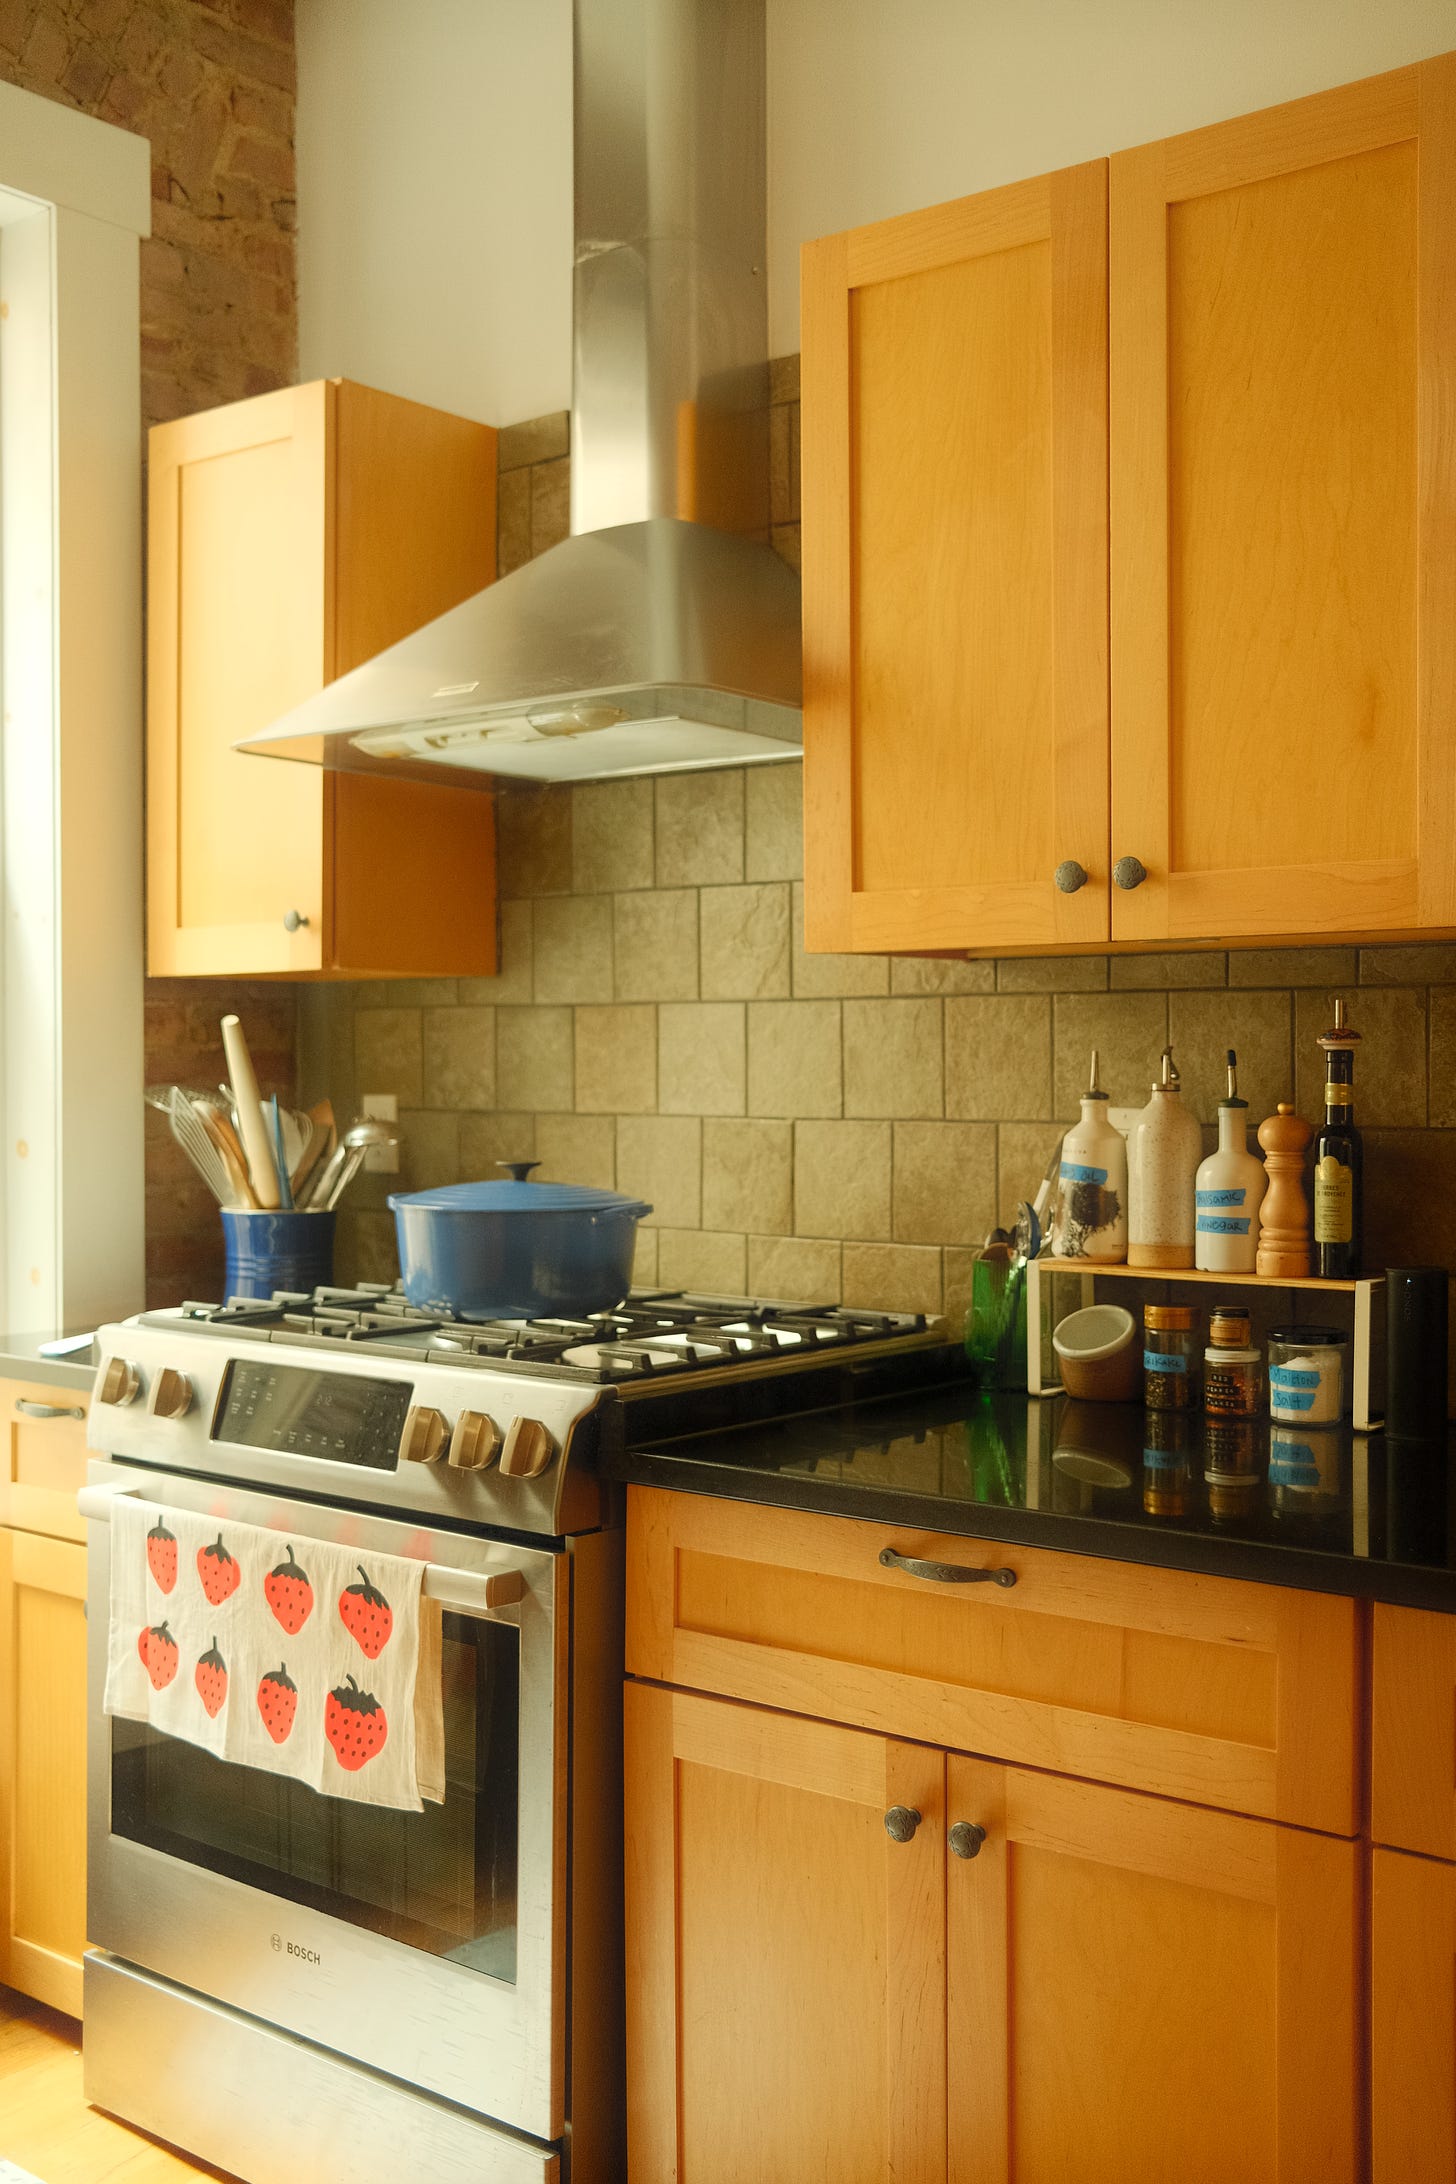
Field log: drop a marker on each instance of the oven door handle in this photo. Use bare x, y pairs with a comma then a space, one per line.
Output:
465, 1592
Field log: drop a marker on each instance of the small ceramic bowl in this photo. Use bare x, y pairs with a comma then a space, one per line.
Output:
1100, 1360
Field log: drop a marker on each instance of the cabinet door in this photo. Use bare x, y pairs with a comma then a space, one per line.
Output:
1412, 2020
955, 573
785, 1957
43, 1767
1283, 466
43, 1436
1146, 1989
1413, 1730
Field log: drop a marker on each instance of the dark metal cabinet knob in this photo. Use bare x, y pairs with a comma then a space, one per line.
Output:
1129, 872
1069, 876
901, 1821
966, 1838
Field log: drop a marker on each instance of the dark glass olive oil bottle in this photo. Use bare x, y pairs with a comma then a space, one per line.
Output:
1338, 1160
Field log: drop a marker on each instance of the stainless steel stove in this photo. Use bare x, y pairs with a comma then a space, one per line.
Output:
435, 1993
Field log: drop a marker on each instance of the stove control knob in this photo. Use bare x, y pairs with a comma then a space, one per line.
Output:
528, 1451
424, 1437
475, 1443
171, 1395
120, 1383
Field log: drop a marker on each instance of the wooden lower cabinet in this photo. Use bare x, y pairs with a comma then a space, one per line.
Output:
1114, 1985
1412, 2019
42, 1767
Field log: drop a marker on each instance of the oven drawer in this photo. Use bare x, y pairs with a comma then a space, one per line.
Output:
45, 1457
1206, 1689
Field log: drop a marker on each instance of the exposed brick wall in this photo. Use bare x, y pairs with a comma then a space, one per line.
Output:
211, 84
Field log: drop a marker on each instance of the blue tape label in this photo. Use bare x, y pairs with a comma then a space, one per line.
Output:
1219, 1198
1163, 1361
1293, 1376
1293, 1399
1073, 1173
1221, 1224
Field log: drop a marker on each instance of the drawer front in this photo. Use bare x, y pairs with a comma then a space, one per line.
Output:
1206, 1689
1413, 1731
45, 1457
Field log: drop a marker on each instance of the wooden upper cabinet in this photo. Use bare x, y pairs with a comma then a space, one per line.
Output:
1283, 507
955, 573
292, 537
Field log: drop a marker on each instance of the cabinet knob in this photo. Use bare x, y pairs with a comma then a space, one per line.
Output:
1129, 872
901, 1821
966, 1838
293, 919
1069, 876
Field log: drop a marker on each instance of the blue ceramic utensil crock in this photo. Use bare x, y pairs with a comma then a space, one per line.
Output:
516, 1249
268, 1251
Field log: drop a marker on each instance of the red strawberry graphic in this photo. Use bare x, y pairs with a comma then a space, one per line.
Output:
219, 1572
162, 1555
366, 1614
354, 1724
211, 1678
289, 1594
158, 1649
278, 1702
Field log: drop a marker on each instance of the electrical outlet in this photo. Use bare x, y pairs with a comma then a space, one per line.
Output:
381, 1107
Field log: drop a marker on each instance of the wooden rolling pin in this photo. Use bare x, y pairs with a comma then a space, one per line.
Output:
262, 1169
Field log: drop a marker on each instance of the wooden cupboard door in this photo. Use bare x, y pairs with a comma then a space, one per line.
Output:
43, 1437
1412, 2020
1283, 504
1144, 1989
785, 1957
1413, 1730
955, 573
237, 635
43, 1767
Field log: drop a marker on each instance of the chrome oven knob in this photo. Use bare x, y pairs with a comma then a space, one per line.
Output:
528, 1451
424, 1437
171, 1395
120, 1383
475, 1443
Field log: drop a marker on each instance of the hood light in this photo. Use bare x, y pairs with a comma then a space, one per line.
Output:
571, 720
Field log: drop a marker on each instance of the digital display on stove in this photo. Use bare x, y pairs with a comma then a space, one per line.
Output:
344, 1418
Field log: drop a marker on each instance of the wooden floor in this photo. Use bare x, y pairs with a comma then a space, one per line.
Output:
45, 2125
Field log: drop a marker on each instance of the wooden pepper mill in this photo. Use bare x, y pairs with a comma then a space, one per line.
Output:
1284, 1217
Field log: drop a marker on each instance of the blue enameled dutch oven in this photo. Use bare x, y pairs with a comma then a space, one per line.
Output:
516, 1250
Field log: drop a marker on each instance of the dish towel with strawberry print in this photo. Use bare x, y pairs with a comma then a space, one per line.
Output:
291, 1654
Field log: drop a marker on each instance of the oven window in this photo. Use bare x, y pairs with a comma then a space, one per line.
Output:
443, 1880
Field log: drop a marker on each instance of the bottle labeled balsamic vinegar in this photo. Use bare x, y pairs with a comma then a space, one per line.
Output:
1338, 1159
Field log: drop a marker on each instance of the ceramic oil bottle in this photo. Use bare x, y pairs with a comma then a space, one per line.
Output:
1163, 1157
1091, 1221
1229, 1189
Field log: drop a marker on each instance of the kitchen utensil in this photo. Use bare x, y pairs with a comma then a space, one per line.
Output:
516, 1248
341, 1167
224, 1138
188, 1130
251, 1127
321, 1139
280, 1155
1100, 1361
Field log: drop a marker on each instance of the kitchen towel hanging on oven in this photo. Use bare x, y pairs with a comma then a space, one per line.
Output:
287, 1653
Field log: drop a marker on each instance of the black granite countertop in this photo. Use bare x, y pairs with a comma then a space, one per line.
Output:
1327, 1510
21, 1359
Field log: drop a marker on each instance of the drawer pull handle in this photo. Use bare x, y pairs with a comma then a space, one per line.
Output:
901, 1821
47, 1410
966, 1838
944, 1573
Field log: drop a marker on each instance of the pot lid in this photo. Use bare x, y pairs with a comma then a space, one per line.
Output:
518, 1195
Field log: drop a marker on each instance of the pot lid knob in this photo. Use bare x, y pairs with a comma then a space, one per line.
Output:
518, 1170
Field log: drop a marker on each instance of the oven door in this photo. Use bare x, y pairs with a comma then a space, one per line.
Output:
426, 1945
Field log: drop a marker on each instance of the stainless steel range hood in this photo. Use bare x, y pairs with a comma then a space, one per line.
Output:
662, 635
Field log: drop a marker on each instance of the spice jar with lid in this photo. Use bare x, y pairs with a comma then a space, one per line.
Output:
1232, 1368
1170, 1356
1307, 1375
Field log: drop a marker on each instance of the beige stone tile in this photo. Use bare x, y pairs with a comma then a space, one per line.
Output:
1442, 1093
795, 1058
743, 942
616, 1059
1129, 1031
644, 1260
486, 1140
459, 1057
783, 379
366, 1249
577, 1149
957, 1275
748, 1175
1390, 1061
533, 839
512, 983
998, 1056
773, 844
893, 1277
842, 1179
1155, 973
1410, 1197
533, 1059
1429, 964
783, 462
572, 945
1051, 974
550, 504
893, 1058
418, 993
832, 977
611, 835
660, 1159
513, 521
1291, 966
655, 945
537, 440
709, 1262
1203, 1026
429, 1150
941, 974
944, 1176
700, 1058
389, 1053
700, 829
1022, 1152
795, 1269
